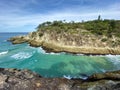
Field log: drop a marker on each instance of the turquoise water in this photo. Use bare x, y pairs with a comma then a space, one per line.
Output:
22, 56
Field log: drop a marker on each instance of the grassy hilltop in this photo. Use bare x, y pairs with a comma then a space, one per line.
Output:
97, 27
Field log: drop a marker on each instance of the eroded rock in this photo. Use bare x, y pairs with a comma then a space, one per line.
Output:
13, 79
65, 42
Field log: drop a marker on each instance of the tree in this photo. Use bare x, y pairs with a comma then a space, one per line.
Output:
112, 24
57, 23
48, 23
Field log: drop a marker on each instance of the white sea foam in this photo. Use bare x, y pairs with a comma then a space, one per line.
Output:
22, 55
114, 59
70, 77
109, 55
2, 53
40, 50
52, 53
67, 77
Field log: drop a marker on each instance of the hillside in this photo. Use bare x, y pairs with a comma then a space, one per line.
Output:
91, 37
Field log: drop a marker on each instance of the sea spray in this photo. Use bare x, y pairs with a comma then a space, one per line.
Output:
42, 51
22, 55
3, 53
115, 59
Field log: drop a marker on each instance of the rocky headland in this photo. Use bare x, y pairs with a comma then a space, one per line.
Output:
50, 44
72, 38
14, 79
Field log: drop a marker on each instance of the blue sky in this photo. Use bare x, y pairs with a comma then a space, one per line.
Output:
25, 15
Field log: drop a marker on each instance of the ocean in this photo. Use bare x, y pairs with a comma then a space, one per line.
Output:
23, 56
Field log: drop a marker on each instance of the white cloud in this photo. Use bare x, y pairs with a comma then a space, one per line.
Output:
35, 19
16, 17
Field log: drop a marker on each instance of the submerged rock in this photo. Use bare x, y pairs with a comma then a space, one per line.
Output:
13, 79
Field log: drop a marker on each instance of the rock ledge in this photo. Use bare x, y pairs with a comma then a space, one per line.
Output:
13, 79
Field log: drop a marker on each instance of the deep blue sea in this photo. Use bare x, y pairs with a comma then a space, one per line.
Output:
23, 56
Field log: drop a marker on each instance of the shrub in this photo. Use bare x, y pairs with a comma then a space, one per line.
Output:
104, 40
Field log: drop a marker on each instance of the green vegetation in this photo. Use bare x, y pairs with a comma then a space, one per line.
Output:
104, 39
98, 27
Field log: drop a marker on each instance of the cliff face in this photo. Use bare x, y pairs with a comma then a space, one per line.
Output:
13, 79
81, 42
82, 38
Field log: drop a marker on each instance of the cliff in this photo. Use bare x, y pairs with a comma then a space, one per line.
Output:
13, 79
66, 37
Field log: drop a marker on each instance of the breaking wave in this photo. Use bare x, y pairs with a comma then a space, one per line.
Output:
3, 53
41, 50
22, 55
114, 59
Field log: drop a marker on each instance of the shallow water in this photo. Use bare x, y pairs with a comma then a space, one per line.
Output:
22, 56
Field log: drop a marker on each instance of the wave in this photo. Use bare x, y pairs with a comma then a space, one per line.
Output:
41, 50
67, 77
22, 55
71, 77
52, 53
109, 55
3, 53
114, 59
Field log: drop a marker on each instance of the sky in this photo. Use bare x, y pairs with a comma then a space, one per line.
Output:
26, 15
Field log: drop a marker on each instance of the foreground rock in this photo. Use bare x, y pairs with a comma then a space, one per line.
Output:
13, 79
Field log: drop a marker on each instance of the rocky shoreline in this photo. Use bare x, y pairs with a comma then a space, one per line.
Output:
50, 46
15, 79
